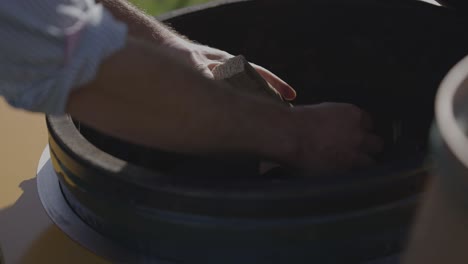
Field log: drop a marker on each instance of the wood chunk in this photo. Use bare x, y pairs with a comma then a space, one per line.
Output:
238, 73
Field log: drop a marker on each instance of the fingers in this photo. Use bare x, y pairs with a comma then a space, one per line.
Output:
211, 57
372, 144
362, 161
366, 120
207, 73
213, 65
281, 86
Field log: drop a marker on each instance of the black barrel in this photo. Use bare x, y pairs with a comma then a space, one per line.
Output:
387, 57
459, 5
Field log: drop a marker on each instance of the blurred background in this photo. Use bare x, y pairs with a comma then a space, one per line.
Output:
156, 7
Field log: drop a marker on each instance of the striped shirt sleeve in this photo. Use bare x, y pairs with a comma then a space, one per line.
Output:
48, 47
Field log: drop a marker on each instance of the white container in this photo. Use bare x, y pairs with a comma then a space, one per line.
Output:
449, 139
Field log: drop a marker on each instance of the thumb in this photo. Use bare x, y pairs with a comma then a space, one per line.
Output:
280, 86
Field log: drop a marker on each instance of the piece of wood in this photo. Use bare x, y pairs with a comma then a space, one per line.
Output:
238, 73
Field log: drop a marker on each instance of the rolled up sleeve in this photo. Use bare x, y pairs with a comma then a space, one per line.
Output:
49, 47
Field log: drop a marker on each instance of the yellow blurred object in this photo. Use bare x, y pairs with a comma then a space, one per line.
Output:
27, 235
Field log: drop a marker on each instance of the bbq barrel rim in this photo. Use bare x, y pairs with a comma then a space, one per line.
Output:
66, 141
70, 149
66, 144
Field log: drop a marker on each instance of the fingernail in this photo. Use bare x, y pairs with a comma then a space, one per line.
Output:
291, 95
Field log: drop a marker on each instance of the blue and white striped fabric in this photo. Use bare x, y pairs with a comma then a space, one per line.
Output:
48, 47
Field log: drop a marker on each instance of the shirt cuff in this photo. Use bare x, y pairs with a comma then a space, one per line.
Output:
84, 49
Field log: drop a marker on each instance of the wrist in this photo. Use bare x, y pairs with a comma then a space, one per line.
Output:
282, 145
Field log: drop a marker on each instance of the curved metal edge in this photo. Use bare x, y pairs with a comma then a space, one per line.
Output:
72, 143
65, 218
63, 131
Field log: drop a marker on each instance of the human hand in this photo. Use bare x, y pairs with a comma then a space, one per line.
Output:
333, 138
204, 59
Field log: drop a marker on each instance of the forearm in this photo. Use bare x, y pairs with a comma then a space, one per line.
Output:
140, 25
144, 96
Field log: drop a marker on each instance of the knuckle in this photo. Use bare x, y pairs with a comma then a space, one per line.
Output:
187, 53
357, 160
354, 111
196, 56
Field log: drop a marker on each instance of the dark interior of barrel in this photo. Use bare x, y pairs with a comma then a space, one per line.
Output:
387, 58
